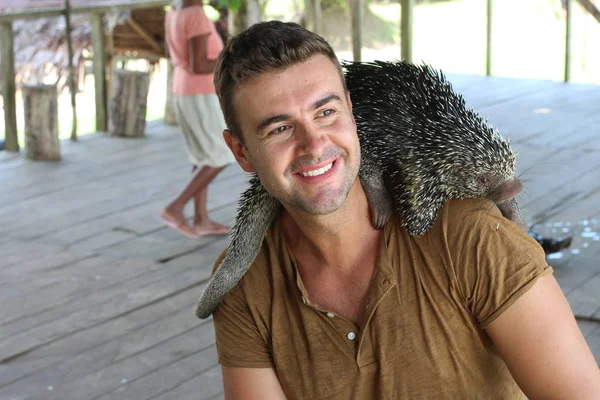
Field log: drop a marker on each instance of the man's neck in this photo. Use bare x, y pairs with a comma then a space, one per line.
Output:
337, 240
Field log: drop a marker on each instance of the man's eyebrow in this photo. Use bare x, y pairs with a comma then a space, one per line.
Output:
271, 120
326, 100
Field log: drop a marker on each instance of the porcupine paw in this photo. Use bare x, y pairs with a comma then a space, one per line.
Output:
510, 210
378, 197
381, 213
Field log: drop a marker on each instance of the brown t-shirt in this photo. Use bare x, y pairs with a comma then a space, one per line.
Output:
422, 334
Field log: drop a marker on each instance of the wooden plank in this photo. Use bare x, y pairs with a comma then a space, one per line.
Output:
65, 296
131, 333
144, 35
406, 29
206, 386
101, 371
99, 65
357, 28
80, 9
8, 88
108, 305
108, 201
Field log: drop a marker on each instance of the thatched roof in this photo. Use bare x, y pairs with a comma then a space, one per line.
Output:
41, 48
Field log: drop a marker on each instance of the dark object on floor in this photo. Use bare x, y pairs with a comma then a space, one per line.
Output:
551, 245
1, 144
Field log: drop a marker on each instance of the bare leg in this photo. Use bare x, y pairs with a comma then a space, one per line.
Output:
202, 223
173, 213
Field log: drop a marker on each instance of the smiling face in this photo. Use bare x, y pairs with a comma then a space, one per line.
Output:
299, 135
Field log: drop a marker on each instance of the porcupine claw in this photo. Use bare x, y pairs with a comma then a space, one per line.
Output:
378, 197
510, 210
257, 209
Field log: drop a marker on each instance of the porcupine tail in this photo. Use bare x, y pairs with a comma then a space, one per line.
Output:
256, 210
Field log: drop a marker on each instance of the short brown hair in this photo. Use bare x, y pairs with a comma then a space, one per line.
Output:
264, 47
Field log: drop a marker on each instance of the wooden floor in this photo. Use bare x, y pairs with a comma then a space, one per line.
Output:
97, 295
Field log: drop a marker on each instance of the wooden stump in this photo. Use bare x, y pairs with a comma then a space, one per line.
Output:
40, 106
128, 102
170, 116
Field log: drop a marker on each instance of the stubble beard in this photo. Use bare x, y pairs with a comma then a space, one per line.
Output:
329, 199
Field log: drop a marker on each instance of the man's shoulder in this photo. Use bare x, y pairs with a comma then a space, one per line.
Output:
259, 272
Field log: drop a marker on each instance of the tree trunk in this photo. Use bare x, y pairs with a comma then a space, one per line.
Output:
128, 102
170, 116
40, 106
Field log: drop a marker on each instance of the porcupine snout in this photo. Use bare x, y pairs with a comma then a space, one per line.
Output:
506, 190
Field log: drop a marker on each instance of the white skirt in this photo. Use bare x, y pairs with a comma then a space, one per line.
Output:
202, 124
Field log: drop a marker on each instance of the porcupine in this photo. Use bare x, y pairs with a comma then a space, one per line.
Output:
419, 142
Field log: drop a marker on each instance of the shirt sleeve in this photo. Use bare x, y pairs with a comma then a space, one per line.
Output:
238, 338
495, 262
197, 24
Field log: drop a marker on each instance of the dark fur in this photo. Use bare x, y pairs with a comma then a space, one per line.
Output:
418, 140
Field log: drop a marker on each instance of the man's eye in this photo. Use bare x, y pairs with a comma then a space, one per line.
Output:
327, 112
280, 129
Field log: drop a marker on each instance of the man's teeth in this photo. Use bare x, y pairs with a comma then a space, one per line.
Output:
317, 172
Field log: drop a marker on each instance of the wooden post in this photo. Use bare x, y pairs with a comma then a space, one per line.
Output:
318, 17
170, 116
40, 107
309, 15
99, 60
488, 47
252, 12
128, 103
8, 86
406, 29
72, 85
357, 22
568, 37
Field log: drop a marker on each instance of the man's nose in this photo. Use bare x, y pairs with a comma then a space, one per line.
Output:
311, 139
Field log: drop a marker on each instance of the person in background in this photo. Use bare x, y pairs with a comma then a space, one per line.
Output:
193, 44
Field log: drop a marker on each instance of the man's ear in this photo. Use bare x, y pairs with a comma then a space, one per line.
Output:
350, 105
238, 150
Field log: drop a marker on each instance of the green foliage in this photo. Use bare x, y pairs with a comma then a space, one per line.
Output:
233, 5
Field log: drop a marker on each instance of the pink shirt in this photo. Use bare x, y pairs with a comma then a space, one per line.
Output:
180, 26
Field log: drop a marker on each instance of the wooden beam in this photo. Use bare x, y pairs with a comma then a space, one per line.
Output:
137, 28
72, 86
568, 40
488, 46
99, 64
591, 8
357, 24
11, 142
11, 15
406, 29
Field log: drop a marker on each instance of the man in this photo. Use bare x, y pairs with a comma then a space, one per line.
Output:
335, 309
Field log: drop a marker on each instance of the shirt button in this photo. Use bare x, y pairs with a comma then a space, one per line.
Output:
330, 314
351, 335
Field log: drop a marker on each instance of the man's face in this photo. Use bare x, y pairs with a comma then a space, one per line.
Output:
300, 135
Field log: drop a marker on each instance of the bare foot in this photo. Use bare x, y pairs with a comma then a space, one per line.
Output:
208, 227
176, 220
